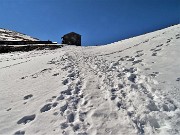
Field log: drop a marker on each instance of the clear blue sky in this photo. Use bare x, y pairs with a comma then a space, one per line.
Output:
98, 21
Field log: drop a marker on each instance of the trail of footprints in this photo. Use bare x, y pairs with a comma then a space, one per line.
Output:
156, 49
26, 98
69, 99
177, 36
159, 47
73, 97
130, 86
26, 119
134, 59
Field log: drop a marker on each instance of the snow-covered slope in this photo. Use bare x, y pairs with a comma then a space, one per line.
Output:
129, 87
15, 36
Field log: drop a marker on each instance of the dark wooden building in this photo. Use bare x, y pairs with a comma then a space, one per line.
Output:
72, 38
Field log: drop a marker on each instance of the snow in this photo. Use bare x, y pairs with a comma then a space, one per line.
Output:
128, 87
14, 36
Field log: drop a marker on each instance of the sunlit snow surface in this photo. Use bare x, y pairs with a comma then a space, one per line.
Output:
130, 87
14, 36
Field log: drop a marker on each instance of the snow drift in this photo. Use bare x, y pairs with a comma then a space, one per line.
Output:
128, 87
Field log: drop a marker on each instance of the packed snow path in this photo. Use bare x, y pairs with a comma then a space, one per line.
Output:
129, 87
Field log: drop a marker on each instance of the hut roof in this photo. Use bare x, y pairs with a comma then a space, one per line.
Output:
72, 33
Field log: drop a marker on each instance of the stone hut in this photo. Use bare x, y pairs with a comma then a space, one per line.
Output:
72, 38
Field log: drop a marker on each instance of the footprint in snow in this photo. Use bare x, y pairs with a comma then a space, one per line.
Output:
67, 92
154, 74
26, 119
64, 107
64, 125
136, 62
159, 45
65, 81
152, 49
154, 54
8, 109
146, 41
131, 70
157, 50
169, 40
54, 97
34, 76
177, 36
76, 127
147, 69
139, 55
55, 74
71, 75
24, 77
132, 78
55, 113
131, 59
28, 96
46, 69
61, 97
48, 107
124, 58
178, 79
113, 97
19, 132
139, 51
70, 117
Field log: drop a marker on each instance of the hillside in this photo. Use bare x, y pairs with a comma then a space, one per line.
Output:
7, 35
130, 87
